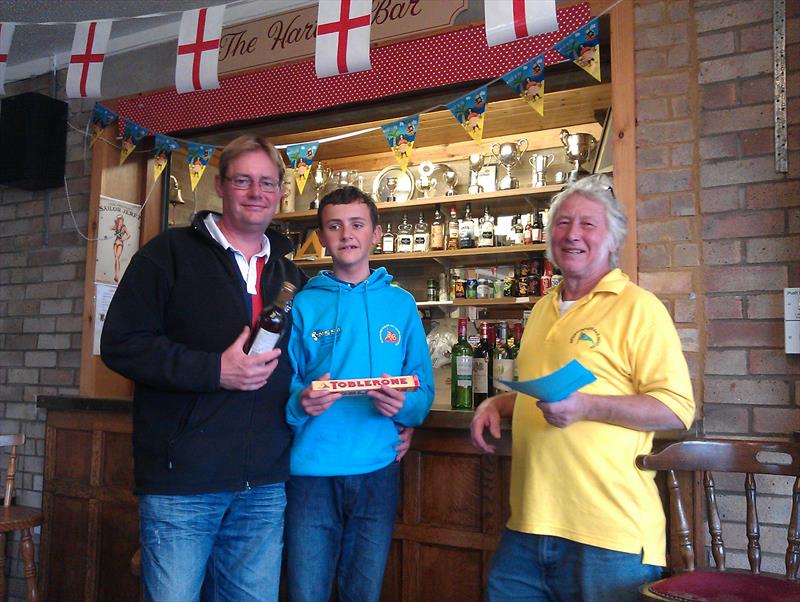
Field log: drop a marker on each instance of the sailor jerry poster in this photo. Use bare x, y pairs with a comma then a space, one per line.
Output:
290, 36
117, 238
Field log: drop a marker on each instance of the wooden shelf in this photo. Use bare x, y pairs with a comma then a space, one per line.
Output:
448, 257
522, 195
494, 302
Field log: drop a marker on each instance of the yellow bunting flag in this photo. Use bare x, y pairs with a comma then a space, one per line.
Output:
528, 81
469, 110
400, 135
582, 47
301, 158
197, 158
101, 119
164, 145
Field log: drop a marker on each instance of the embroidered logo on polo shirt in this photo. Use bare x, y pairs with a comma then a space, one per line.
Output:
320, 334
390, 334
586, 336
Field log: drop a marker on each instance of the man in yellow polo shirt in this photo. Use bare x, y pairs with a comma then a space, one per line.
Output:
586, 524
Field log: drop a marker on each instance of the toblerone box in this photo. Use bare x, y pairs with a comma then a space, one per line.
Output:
359, 386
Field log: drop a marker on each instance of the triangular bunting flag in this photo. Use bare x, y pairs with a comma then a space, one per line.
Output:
197, 158
582, 47
400, 135
301, 158
528, 81
86, 62
132, 135
6, 33
198, 49
163, 146
343, 31
509, 20
469, 111
102, 117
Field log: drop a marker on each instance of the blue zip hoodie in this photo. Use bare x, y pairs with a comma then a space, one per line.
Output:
354, 331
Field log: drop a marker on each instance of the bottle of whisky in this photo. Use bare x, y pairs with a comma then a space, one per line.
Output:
452, 230
503, 363
483, 366
527, 234
538, 228
405, 236
437, 230
487, 230
422, 235
517, 231
387, 242
466, 231
270, 324
461, 370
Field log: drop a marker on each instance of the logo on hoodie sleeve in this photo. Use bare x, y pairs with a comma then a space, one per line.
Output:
390, 334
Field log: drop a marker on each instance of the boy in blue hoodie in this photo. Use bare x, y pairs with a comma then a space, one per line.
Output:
349, 323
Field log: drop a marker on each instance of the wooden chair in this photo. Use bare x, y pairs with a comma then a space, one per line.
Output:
720, 583
17, 518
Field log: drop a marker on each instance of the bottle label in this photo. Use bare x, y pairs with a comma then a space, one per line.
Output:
388, 245
264, 341
480, 375
404, 243
463, 371
503, 368
487, 238
437, 237
421, 242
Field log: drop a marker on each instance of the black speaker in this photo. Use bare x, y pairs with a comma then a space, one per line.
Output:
33, 141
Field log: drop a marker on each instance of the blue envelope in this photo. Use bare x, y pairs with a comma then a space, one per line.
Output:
556, 386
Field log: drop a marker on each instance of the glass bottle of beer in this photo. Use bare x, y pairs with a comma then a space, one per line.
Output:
461, 370
270, 324
437, 230
482, 366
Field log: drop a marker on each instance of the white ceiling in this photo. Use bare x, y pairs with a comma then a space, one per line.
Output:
38, 48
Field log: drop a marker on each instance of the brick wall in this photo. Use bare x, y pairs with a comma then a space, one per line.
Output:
719, 229
41, 299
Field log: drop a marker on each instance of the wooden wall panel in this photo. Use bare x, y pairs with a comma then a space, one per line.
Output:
68, 533
449, 492
449, 574
118, 540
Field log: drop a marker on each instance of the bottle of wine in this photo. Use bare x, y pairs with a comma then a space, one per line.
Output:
515, 350
503, 364
527, 233
461, 370
482, 366
538, 228
270, 324
437, 230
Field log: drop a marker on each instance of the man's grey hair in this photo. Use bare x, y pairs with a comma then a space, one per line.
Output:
598, 189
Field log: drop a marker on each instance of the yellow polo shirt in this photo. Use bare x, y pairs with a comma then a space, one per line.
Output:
581, 482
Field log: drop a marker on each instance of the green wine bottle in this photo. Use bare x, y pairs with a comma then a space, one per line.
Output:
461, 370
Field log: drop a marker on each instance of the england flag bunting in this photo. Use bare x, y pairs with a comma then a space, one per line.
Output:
198, 49
509, 20
343, 32
6, 33
86, 62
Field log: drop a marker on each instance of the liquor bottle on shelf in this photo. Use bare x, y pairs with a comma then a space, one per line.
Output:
452, 230
513, 347
437, 230
461, 370
271, 321
487, 230
546, 279
503, 364
527, 233
405, 236
483, 366
517, 231
388, 240
422, 235
466, 230
538, 228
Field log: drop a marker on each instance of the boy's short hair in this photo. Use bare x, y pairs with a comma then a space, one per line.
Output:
346, 195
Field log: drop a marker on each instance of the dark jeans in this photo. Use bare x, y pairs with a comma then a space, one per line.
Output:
339, 527
545, 568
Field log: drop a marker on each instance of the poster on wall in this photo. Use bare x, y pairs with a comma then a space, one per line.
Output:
117, 238
103, 293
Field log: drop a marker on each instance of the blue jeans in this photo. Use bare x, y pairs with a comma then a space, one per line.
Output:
542, 567
229, 544
342, 527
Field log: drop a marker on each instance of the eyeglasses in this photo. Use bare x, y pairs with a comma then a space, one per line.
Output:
245, 182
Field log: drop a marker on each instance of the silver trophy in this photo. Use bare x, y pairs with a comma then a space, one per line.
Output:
476, 161
577, 148
540, 163
319, 177
347, 177
391, 186
426, 182
508, 154
451, 179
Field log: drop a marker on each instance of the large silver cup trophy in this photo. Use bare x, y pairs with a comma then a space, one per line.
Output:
577, 148
347, 177
508, 154
319, 178
451, 179
475, 166
426, 182
540, 163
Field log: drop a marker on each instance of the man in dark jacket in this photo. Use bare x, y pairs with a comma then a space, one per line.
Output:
211, 445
